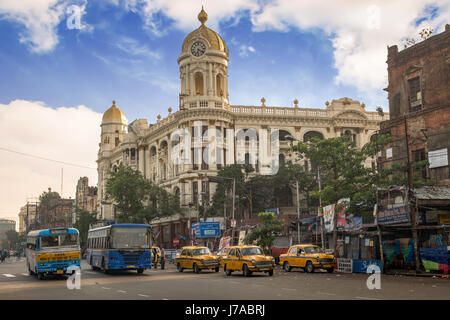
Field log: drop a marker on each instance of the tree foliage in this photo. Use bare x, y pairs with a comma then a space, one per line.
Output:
84, 220
265, 233
137, 199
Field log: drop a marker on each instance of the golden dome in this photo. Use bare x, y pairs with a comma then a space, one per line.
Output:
114, 113
215, 41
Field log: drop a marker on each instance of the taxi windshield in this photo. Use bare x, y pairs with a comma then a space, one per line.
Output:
313, 250
252, 251
199, 252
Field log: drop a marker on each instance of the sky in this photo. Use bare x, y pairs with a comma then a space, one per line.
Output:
62, 62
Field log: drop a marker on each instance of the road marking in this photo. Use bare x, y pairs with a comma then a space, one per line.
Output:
327, 293
365, 298
121, 291
165, 299
106, 288
289, 289
143, 295
25, 274
9, 275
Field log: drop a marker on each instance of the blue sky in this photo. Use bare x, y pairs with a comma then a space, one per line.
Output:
119, 58
56, 82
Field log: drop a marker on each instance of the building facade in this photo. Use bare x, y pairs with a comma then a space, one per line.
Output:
5, 226
419, 104
207, 132
27, 216
85, 196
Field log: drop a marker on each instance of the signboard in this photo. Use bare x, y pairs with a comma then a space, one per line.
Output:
394, 215
354, 223
444, 218
388, 153
344, 265
233, 223
438, 158
275, 211
328, 217
206, 229
176, 242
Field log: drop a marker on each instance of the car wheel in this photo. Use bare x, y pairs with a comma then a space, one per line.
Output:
309, 267
217, 269
246, 271
287, 267
179, 268
196, 268
270, 273
330, 270
228, 272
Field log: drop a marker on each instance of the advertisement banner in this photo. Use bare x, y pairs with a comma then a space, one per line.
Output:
241, 237
354, 223
340, 216
224, 242
344, 265
328, 217
394, 215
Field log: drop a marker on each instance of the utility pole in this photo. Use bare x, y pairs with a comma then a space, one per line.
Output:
412, 208
298, 214
234, 196
320, 205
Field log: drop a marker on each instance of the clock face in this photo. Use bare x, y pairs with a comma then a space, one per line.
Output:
198, 48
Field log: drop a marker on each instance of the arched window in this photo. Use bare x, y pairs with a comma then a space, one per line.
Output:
153, 151
311, 135
198, 81
219, 85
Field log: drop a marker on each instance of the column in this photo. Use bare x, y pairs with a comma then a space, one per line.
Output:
141, 159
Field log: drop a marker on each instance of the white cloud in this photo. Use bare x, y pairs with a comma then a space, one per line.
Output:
65, 134
360, 31
40, 19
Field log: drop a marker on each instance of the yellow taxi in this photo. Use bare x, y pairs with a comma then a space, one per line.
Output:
307, 257
248, 259
196, 258
156, 253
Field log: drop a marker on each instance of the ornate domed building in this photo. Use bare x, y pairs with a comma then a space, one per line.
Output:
177, 151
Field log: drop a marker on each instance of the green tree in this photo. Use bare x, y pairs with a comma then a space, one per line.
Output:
138, 200
84, 220
265, 233
13, 237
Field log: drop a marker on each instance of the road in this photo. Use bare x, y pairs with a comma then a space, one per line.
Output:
168, 284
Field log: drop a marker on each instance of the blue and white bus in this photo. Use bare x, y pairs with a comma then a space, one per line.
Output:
53, 251
120, 247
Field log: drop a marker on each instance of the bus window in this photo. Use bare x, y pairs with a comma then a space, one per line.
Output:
49, 241
68, 240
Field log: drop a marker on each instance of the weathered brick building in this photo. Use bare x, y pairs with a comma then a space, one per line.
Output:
419, 101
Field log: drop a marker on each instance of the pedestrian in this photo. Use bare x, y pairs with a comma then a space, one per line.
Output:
155, 258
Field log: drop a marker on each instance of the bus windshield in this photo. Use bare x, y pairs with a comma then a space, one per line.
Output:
199, 252
125, 238
252, 251
62, 240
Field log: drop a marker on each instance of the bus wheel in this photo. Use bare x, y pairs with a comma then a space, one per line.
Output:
270, 273
217, 269
140, 270
40, 276
179, 268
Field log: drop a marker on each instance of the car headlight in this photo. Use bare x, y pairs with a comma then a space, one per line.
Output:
253, 261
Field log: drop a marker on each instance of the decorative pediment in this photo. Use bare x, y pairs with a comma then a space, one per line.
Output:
351, 115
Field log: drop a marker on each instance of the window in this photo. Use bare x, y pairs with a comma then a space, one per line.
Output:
198, 82
133, 154
232, 252
205, 159
195, 191
293, 250
183, 253
415, 94
419, 155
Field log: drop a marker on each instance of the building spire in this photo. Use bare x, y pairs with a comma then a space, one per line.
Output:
202, 16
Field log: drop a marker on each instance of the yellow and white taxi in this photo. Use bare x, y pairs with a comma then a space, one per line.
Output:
307, 257
196, 258
248, 259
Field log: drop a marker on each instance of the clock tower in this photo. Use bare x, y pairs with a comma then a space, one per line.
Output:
203, 68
